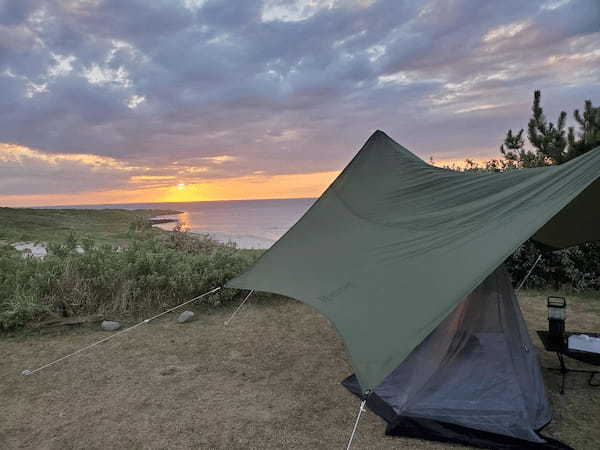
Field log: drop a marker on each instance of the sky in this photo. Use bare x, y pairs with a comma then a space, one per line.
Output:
116, 101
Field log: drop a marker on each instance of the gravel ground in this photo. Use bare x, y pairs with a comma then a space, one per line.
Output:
268, 380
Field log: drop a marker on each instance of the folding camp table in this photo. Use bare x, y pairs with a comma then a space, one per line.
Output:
562, 349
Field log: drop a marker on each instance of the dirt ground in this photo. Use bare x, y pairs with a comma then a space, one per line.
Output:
268, 380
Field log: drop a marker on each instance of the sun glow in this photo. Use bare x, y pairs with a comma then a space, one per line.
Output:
250, 187
144, 184
181, 192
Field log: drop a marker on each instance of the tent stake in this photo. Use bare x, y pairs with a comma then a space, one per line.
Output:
360, 410
238, 308
528, 273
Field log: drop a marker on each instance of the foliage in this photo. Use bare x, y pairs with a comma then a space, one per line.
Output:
551, 144
576, 268
572, 269
140, 223
589, 130
515, 154
549, 140
154, 270
491, 165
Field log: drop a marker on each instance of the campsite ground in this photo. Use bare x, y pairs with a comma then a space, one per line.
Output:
268, 380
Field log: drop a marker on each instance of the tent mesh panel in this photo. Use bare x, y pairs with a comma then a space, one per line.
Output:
474, 377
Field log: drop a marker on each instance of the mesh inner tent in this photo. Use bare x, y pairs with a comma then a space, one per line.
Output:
477, 374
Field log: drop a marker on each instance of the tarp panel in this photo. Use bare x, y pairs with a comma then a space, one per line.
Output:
392, 246
577, 223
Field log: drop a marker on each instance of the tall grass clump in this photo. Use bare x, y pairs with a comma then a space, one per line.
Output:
153, 271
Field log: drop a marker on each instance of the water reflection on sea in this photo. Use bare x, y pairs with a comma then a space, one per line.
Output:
248, 223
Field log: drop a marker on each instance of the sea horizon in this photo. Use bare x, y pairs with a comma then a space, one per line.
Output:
249, 223
96, 205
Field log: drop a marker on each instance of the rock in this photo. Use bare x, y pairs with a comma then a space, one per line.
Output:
31, 249
185, 316
109, 325
170, 370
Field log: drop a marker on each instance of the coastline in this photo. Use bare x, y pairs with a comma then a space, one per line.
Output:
242, 241
249, 224
31, 230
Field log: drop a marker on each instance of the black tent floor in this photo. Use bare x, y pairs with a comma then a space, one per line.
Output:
446, 432
433, 430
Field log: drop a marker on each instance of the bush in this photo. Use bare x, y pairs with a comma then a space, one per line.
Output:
153, 271
576, 268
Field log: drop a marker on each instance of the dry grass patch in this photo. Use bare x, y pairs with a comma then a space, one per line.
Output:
268, 380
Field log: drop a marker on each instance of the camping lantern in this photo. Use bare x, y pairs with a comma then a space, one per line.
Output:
556, 318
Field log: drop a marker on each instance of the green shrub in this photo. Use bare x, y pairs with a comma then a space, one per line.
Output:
575, 269
18, 309
153, 271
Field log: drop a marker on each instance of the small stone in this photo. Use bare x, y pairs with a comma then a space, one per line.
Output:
109, 325
185, 316
170, 370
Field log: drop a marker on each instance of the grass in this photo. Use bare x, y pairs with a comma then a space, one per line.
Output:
52, 225
268, 380
576, 418
151, 272
127, 268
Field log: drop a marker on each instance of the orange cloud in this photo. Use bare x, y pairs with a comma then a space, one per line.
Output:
19, 153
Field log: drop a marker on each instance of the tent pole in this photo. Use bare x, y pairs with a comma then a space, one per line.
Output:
360, 410
238, 308
528, 273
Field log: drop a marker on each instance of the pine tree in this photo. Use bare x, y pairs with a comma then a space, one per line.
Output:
550, 143
515, 154
589, 130
589, 123
548, 139
550, 146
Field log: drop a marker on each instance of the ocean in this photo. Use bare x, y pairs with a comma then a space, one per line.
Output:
248, 223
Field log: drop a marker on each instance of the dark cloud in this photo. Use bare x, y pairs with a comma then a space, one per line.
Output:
282, 86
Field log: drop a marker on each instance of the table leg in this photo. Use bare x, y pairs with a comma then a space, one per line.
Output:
563, 371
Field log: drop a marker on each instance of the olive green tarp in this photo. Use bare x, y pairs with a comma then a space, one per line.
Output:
394, 244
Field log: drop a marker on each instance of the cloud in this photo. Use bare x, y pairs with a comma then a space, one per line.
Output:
27, 171
278, 87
